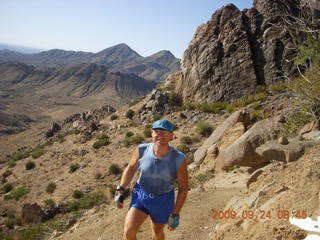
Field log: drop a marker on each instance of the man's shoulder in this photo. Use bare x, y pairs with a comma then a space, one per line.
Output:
179, 153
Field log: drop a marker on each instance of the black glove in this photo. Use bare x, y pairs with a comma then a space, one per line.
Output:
119, 197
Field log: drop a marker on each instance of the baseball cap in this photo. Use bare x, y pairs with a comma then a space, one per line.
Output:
163, 124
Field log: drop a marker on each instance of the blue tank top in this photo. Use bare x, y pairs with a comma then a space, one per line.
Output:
158, 175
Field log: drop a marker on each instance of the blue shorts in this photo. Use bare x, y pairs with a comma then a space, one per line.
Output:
159, 207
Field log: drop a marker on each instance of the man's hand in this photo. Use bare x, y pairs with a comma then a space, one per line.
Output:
118, 199
173, 222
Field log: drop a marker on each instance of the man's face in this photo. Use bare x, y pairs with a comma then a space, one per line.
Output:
161, 136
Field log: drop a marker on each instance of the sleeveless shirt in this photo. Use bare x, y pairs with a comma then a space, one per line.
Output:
158, 175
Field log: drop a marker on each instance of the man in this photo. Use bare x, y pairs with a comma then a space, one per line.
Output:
159, 166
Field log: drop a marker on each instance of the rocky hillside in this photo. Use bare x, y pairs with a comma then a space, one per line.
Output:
120, 58
237, 50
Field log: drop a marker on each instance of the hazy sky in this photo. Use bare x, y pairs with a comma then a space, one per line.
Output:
147, 26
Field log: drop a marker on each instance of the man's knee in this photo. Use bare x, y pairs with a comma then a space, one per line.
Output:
129, 233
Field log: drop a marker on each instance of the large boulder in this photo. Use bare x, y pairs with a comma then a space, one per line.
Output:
219, 132
243, 151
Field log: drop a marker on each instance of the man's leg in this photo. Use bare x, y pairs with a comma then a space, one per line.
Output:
134, 220
157, 230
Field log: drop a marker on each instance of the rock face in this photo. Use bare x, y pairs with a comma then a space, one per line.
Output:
236, 51
32, 213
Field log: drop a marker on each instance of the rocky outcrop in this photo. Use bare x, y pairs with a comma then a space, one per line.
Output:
237, 50
32, 213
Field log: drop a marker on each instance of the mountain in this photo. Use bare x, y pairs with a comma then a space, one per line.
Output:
235, 51
120, 57
18, 48
58, 92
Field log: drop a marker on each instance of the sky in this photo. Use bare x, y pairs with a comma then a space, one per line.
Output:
147, 26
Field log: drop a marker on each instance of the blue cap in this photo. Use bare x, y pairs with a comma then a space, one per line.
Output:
163, 124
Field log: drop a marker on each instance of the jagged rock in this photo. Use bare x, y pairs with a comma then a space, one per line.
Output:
309, 127
53, 130
157, 103
237, 50
218, 133
32, 213
314, 135
242, 152
254, 176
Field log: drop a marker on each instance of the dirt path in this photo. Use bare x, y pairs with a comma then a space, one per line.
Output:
196, 222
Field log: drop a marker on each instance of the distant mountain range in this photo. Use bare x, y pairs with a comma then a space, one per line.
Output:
119, 58
18, 48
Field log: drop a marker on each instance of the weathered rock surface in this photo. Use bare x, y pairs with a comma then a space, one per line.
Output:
32, 213
237, 50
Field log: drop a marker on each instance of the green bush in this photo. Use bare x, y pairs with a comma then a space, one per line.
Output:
114, 169
129, 114
147, 130
295, 120
129, 134
186, 140
11, 163
261, 88
259, 97
255, 105
20, 155
7, 187
135, 139
49, 203
279, 87
86, 201
114, 117
51, 187
77, 194
73, 167
30, 165
6, 174
214, 107
203, 177
257, 115
103, 140
174, 99
231, 107
37, 152
204, 129
183, 148
189, 106
17, 194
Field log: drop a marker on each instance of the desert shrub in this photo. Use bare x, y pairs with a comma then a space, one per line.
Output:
214, 107
114, 117
49, 203
189, 106
73, 167
135, 139
11, 163
255, 105
20, 155
77, 194
203, 177
295, 120
6, 174
129, 114
278, 87
174, 99
7, 187
186, 140
183, 148
204, 129
257, 115
37, 152
129, 134
51, 187
230, 169
259, 97
114, 169
260, 88
17, 194
30, 165
147, 130
103, 140
86, 201
231, 107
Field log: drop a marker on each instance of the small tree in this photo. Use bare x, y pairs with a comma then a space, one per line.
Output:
130, 113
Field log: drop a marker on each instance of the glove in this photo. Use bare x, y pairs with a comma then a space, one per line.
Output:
173, 221
118, 199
